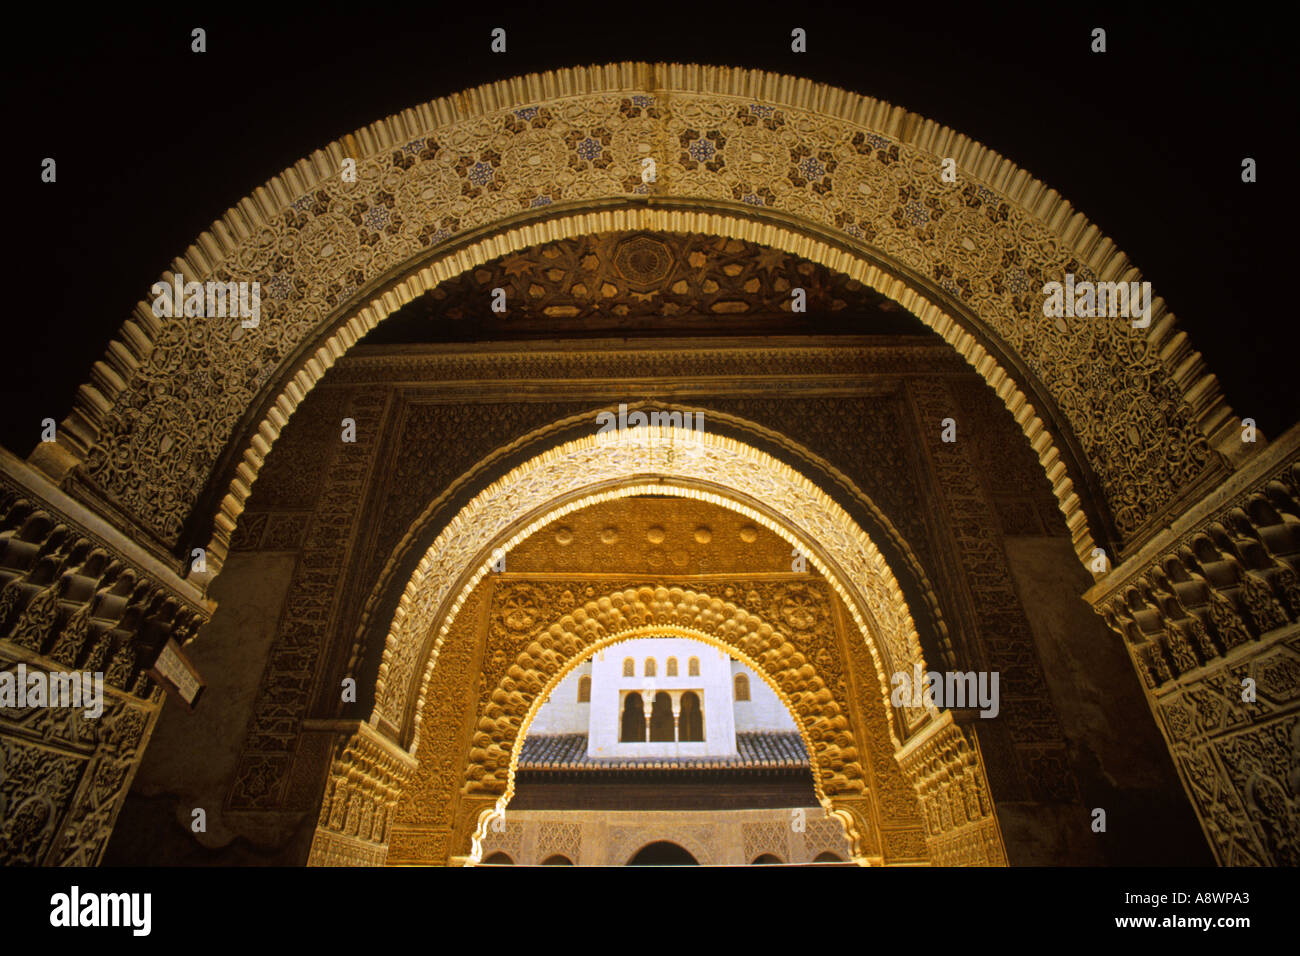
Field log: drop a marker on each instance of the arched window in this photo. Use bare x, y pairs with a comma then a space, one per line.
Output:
661, 718
629, 667
690, 724
663, 853
742, 687
584, 689
633, 726
693, 667
672, 667
649, 667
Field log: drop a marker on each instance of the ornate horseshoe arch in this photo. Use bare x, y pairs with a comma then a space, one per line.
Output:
419, 538
843, 180
167, 436
828, 739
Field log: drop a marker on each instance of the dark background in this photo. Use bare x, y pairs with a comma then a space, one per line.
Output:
154, 143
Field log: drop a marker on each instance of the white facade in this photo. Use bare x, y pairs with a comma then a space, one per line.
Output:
764, 710
563, 712
607, 717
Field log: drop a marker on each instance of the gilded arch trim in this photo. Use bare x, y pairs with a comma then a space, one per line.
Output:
402, 552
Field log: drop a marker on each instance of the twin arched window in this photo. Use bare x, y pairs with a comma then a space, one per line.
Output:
742, 687
693, 667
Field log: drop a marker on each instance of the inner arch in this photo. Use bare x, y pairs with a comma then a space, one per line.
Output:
651, 460
798, 715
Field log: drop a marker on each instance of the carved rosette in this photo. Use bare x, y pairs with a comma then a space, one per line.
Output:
367, 773
944, 765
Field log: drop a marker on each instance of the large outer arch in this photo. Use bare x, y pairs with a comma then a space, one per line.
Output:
172, 428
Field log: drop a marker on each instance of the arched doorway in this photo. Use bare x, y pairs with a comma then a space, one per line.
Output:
662, 853
755, 774
1089, 457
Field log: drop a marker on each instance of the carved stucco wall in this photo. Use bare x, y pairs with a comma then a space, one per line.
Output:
76, 597
843, 180
728, 838
1211, 604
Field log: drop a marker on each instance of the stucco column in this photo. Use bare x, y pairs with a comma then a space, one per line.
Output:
1209, 612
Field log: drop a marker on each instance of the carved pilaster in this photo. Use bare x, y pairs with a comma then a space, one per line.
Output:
366, 776
1209, 612
76, 598
943, 763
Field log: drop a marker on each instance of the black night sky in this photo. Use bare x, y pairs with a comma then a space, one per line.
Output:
154, 142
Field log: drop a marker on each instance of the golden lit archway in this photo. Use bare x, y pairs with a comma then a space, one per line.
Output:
827, 737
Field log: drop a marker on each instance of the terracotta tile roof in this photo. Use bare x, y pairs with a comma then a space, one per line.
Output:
773, 750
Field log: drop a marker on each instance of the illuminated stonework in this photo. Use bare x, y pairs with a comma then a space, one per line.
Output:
845, 181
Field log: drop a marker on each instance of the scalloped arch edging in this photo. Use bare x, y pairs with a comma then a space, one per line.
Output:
407, 544
832, 740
